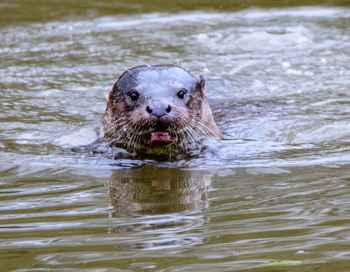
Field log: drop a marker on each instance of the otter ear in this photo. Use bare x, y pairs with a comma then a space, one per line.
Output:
200, 85
110, 95
113, 95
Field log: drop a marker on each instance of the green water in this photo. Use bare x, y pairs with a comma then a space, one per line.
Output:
273, 196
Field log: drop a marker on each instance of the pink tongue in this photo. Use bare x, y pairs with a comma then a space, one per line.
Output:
160, 136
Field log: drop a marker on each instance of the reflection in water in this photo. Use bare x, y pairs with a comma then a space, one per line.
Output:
150, 190
172, 197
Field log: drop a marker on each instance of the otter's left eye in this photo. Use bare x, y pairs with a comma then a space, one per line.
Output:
134, 95
181, 94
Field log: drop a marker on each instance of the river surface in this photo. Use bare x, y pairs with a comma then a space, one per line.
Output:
274, 195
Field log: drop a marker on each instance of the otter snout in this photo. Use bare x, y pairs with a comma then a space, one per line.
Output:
158, 109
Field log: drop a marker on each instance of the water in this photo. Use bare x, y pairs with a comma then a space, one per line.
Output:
273, 196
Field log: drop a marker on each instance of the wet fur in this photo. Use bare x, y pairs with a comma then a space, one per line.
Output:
130, 128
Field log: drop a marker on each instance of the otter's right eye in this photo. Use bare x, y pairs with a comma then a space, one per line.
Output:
134, 95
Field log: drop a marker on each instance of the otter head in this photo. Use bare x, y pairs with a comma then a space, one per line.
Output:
158, 109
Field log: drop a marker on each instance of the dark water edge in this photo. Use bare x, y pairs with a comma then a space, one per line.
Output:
18, 11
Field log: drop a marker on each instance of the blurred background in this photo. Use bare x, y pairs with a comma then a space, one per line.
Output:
40, 11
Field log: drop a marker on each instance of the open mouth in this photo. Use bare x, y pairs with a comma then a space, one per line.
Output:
160, 138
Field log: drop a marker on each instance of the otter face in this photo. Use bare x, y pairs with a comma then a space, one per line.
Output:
157, 108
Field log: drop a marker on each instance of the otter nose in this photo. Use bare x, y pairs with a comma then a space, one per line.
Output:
158, 110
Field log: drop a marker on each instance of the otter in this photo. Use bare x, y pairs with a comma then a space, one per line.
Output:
158, 110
